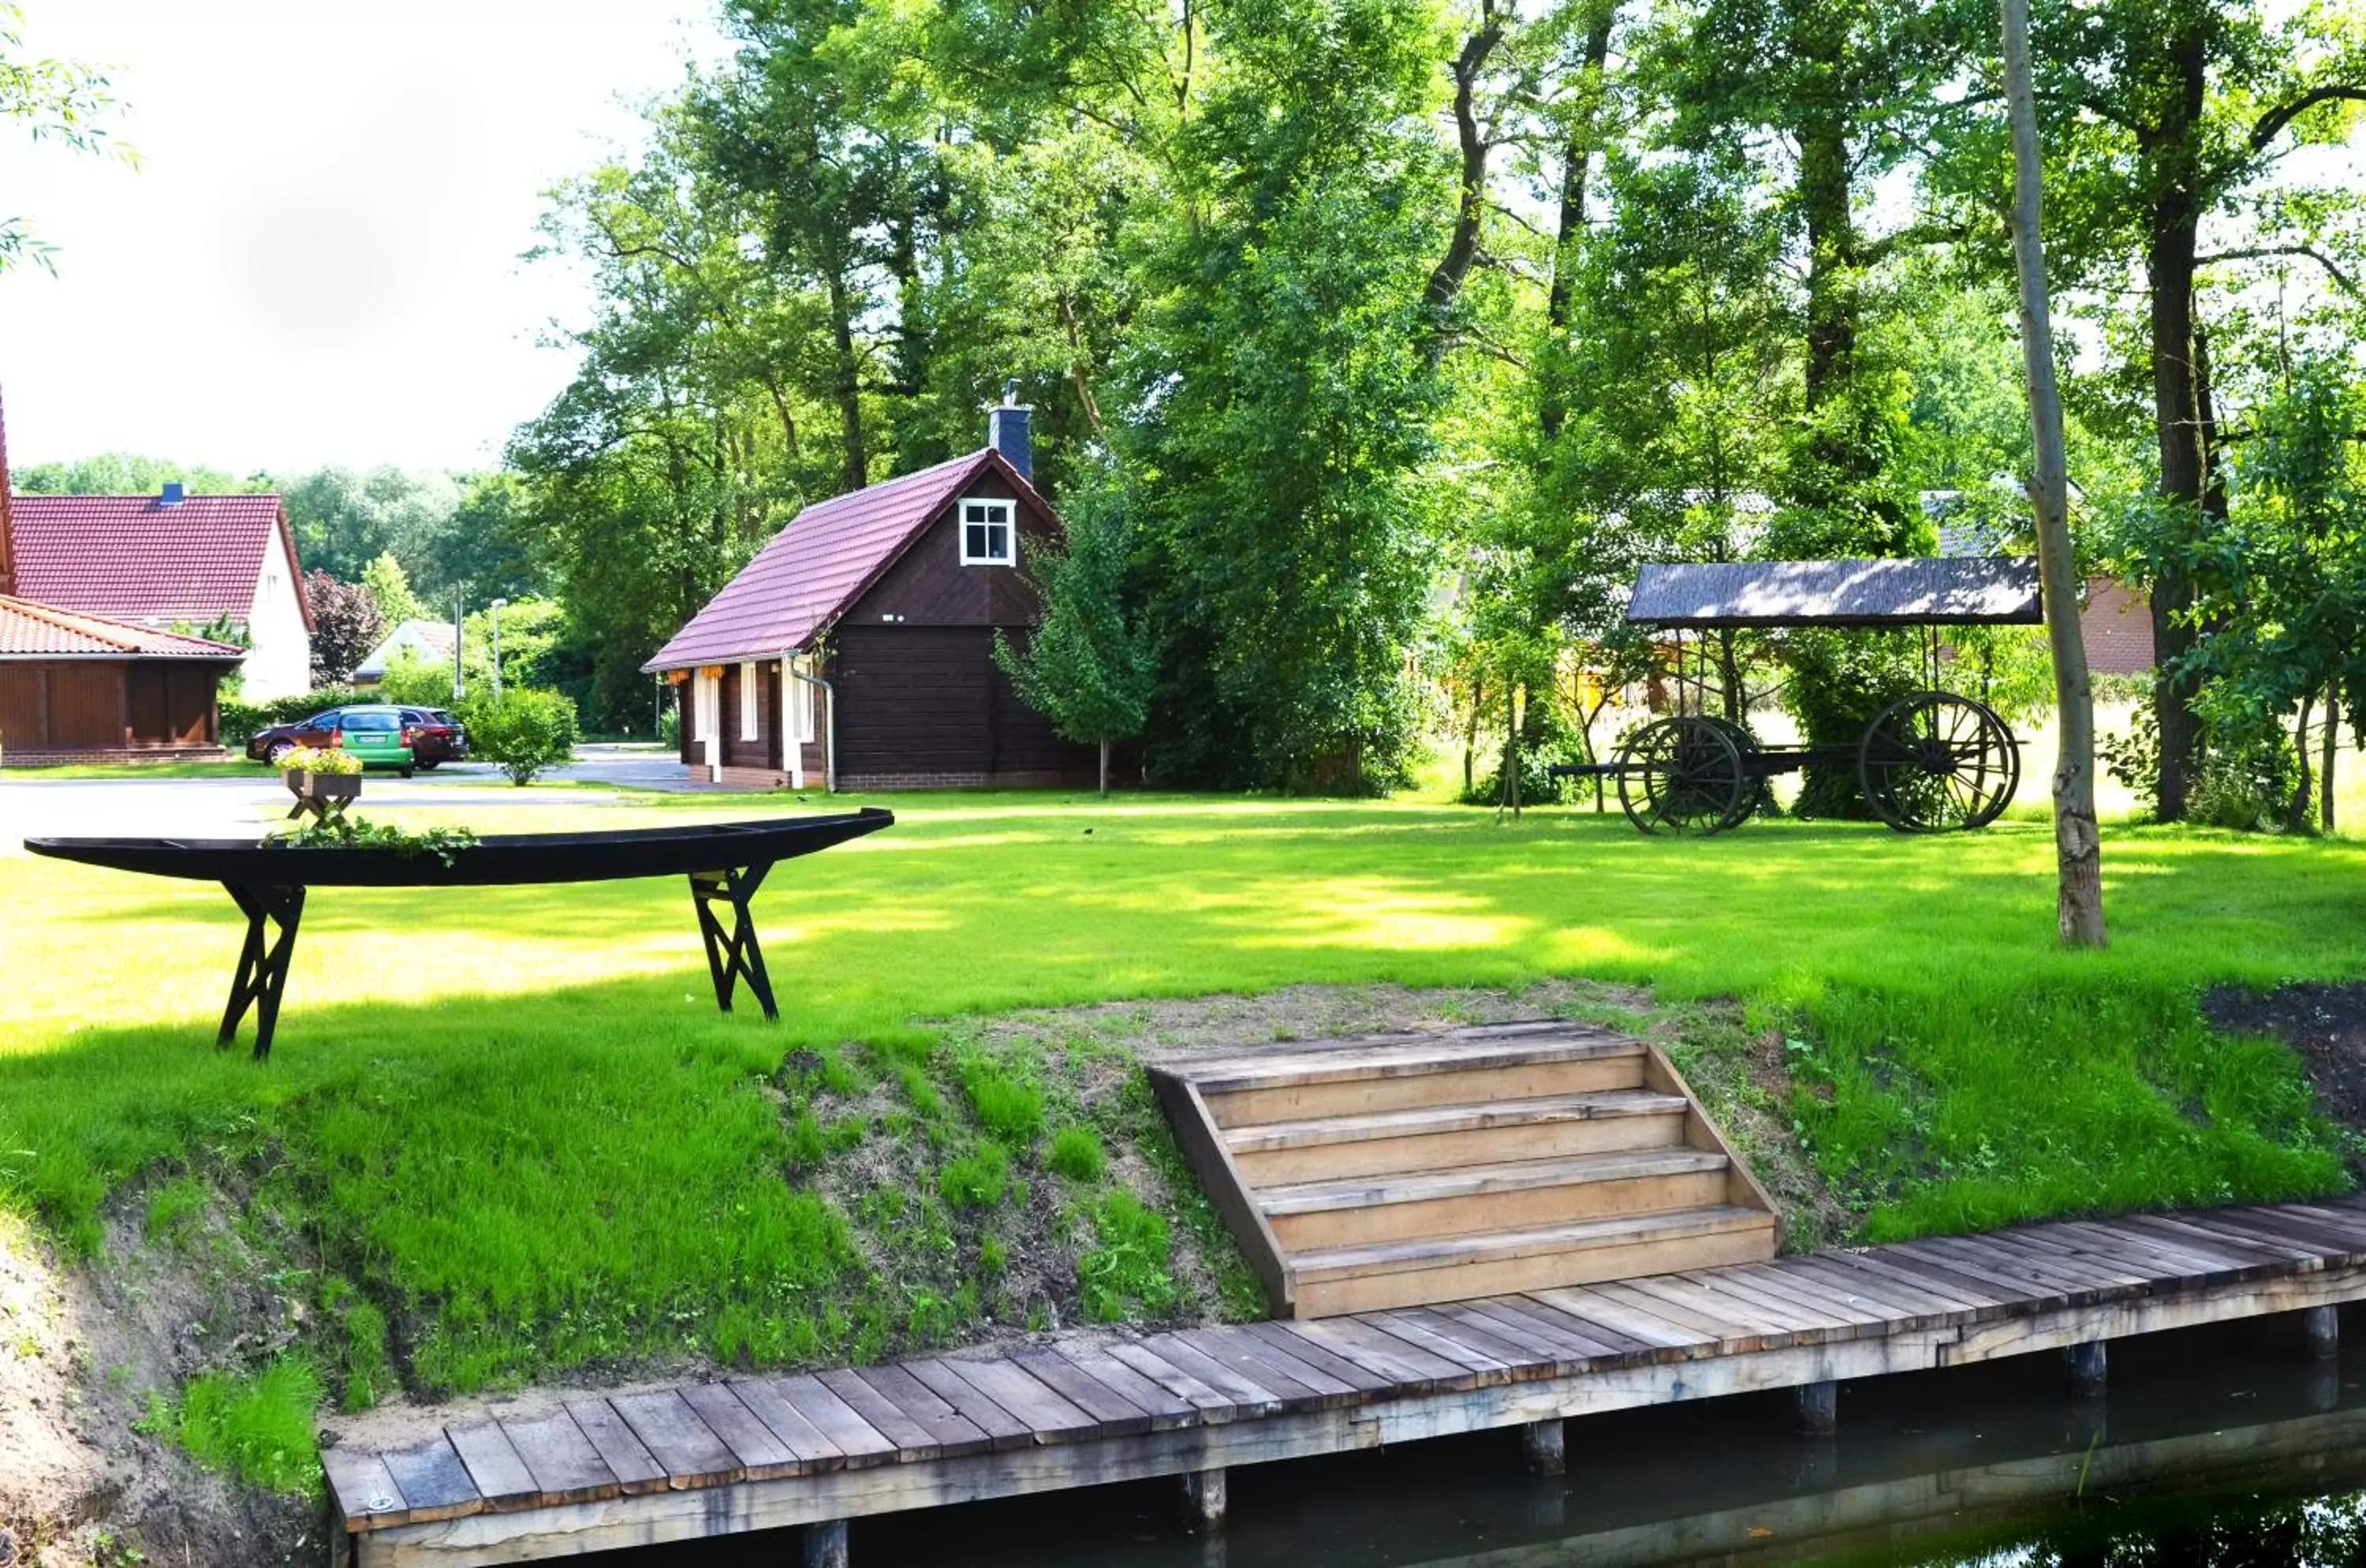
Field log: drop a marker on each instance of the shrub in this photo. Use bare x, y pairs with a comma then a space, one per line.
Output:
418, 681
525, 730
1077, 1154
978, 1178
240, 721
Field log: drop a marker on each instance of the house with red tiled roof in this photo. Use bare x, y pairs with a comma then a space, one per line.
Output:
857, 649
175, 560
77, 687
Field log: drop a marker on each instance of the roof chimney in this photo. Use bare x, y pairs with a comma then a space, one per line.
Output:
1007, 431
175, 491
7, 545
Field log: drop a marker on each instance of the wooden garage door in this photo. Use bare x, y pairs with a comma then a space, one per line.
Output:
915, 699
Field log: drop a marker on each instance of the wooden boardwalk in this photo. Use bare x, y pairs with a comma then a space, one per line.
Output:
758, 1453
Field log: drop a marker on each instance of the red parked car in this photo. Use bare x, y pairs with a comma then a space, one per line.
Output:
435, 735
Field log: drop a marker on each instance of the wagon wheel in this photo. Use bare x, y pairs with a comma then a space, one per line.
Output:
1683, 775
1745, 740
1936, 760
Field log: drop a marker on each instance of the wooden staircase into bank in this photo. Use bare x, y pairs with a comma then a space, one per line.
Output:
1406, 1169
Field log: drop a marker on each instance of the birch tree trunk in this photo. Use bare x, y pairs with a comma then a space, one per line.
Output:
2078, 849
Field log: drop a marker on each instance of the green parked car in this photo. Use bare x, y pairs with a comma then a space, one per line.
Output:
374, 735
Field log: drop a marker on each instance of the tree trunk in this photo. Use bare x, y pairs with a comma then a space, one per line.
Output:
1577, 159
2304, 792
2177, 414
1462, 244
2331, 743
847, 385
2077, 847
1105, 755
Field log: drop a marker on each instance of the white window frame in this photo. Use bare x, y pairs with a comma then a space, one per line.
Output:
798, 699
750, 690
991, 512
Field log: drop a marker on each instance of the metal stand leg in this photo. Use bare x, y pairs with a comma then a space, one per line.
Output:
262, 963
733, 954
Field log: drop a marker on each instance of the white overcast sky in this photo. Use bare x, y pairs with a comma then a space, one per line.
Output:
317, 260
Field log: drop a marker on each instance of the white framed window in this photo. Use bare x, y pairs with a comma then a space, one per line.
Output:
989, 537
798, 699
751, 688
702, 695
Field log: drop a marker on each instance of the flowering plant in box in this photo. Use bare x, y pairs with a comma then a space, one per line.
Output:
321, 760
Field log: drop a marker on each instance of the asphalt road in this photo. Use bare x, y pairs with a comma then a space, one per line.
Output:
238, 804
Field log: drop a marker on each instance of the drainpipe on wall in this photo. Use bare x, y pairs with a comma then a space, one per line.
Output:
829, 721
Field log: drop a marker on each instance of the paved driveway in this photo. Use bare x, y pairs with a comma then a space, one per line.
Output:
241, 803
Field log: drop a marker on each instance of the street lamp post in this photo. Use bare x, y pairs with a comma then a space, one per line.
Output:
496, 608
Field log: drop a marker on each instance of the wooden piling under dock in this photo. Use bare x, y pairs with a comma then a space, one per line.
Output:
706, 1459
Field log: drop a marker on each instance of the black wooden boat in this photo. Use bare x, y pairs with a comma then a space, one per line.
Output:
726, 861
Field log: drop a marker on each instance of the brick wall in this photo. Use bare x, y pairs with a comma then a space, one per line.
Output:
53, 756
2117, 626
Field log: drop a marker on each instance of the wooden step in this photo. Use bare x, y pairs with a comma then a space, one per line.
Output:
1441, 1137
1401, 1074
1369, 1278
1509, 1196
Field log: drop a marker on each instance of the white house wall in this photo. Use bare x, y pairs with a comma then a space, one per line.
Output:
279, 656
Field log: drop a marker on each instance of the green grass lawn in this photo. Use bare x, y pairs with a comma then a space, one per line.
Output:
514, 1120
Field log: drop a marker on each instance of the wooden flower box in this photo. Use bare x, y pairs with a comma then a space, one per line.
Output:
322, 795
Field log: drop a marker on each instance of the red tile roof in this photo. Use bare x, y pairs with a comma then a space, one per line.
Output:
132, 555
42, 631
826, 558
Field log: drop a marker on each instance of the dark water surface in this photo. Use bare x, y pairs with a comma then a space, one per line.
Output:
2223, 1445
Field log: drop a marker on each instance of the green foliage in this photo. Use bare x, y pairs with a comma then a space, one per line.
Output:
418, 681
2133, 760
256, 1429
1842, 681
391, 586
345, 830
978, 1178
525, 730
1075, 1152
345, 626
355, 1332
1125, 1273
1083, 668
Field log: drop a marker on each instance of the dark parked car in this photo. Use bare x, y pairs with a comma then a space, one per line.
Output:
435, 735
389, 735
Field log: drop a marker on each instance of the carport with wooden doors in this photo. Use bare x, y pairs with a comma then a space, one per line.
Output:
84, 688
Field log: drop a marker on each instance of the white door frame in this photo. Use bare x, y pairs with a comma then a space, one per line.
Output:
710, 715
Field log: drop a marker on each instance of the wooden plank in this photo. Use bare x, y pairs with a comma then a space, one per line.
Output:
1524, 1352
2334, 1243
807, 1442
1166, 1409
2291, 1248
1820, 1310
566, 1467
854, 1438
759, 1450
1249, 1397
1588, 1304
1844, 1298
1409, 1365
1911, 1302
1581, 1330
1113, 1415
1721, 1328
1214, 1406
678, 1439
912, 1439
1929, 1274
2039, 1261
1321, 1356
1003, 1429
2164, 1259
953, 1431
626, 1456
2003, 1274
362, 1487
1298, 1386
434, 1482
1049, 1418
2246, 1256
1483, 1369
1564, 1343
1715, 1292
1219, 1174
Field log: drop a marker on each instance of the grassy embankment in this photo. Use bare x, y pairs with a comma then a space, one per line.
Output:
510, 1135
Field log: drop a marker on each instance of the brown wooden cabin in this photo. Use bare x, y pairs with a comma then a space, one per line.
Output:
78, 688
856, 651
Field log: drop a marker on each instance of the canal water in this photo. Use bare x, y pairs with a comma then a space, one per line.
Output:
2224, 1445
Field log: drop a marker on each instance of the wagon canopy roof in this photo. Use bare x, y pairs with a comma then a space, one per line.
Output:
1914, 592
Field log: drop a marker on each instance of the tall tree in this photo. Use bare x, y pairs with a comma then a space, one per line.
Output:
2077, 847
51, 100
1084, 667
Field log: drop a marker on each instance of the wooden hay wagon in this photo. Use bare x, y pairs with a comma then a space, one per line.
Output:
1934, 761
